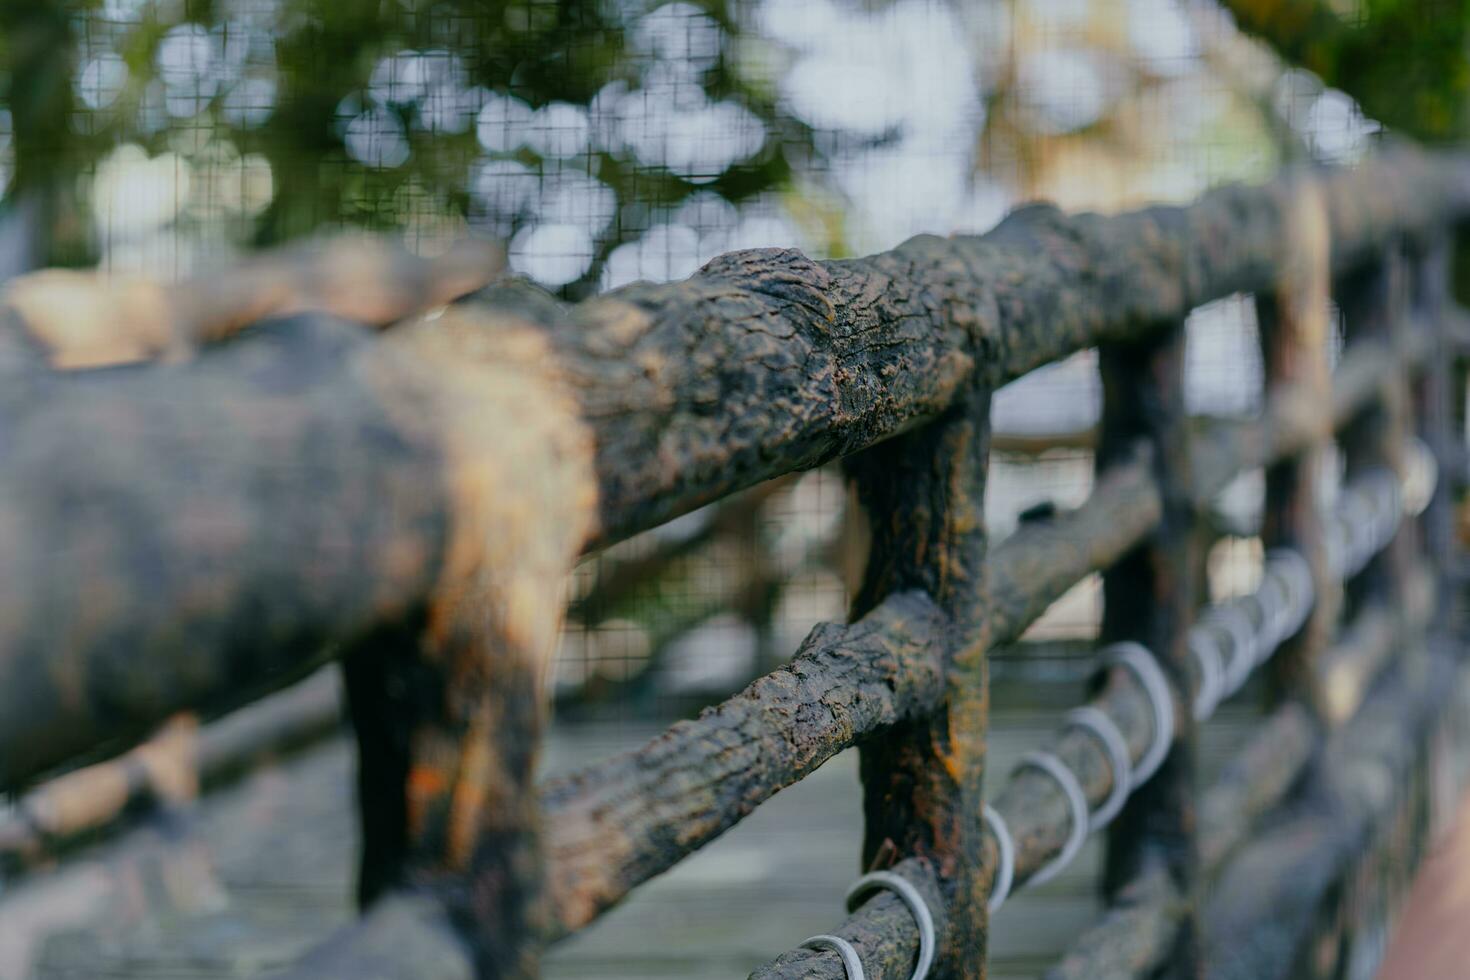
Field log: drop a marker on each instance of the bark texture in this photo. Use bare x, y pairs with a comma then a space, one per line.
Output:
197, 535
1151, 900
882, 930
924, 495
1268, 900
1134, 937
1294, 332
449, 718
1149, 597
612, 827
223, 520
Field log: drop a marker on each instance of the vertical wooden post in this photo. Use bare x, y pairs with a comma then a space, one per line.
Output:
1149, 597
1295, 327
1434, 410
449, 708
1374, 303
924, 494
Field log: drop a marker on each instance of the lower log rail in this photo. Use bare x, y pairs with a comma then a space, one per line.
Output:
1267, 900
183, 758
1131, 938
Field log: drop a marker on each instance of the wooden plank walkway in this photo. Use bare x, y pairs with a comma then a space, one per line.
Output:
260, 870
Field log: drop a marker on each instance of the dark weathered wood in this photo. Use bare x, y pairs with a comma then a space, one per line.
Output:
1375, 307
614, 826
1142, 919
1137, 933
210, 579
204, 531
924, 495
877, 344
1270, 896
882, 930
623, 823
448, 700
1140, 931
1434, 395
1150, 597
92, 800
1295, 330
275, 473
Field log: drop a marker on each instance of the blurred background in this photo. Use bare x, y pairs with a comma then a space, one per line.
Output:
607, 141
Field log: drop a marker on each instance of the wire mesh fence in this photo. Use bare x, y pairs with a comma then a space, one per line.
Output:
606, 142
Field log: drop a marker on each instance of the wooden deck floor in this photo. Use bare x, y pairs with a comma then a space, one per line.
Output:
262, 869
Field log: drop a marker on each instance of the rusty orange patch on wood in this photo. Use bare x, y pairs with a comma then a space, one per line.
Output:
523, 498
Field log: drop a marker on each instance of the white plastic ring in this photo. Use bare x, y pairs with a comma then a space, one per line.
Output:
1237, 625
888, 881
1395, 509
1206, 649
1274, 597
1357, 517
1005, 845
1337, 547
852, 965
1076, 799
1382, 489
1296, 573
1425, 461
1137, 658
1100, 724
1258, 615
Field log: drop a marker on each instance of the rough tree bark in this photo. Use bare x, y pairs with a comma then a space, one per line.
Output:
1295, 329
924, 495
1149, 597
278, 473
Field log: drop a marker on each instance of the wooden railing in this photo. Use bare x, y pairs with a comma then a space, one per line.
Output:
194, 533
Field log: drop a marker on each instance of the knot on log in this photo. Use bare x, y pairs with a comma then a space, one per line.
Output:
783, 274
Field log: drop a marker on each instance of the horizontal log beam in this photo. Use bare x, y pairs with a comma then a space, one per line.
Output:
815, 360
881, 929
74, 320
194, 536
614, 826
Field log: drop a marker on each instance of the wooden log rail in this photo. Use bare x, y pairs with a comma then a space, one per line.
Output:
1037, 814
192, 533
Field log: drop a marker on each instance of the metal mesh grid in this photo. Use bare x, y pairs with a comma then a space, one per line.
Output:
605, 142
